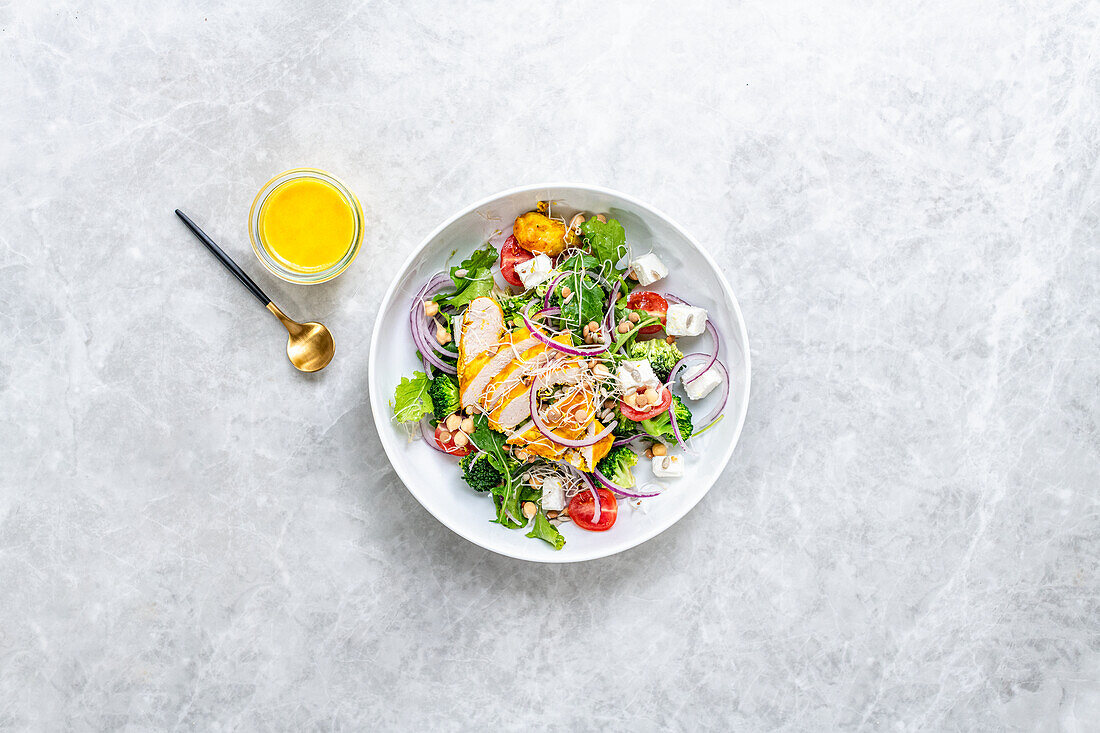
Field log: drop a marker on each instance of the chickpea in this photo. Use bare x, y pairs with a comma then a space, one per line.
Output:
441, 335
444, 436
659, 449
566, 291
430, 308
623, 327
670, 340
593, 326
467, 425
529, 509
631, 399
651, 396
601, 370
471, 410
461, 439
576, 221
453, 422
634, 317
521, 455
553, 414
648, 452
580, 414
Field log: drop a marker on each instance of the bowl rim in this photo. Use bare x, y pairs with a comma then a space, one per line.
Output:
380, 406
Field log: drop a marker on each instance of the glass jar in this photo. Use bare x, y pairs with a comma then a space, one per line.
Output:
298, 225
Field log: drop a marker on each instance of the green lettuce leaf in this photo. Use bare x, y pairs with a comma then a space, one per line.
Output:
543, 530
477, 281
411, 400
607, 239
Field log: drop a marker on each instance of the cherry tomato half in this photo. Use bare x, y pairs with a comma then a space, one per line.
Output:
449, 446
653, 304
582, 507
511, 254
636, 415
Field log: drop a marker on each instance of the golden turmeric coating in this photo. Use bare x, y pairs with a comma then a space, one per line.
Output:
539, 234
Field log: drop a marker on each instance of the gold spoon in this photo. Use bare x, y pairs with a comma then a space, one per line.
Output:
309, 346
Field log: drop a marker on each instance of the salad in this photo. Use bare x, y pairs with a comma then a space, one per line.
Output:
548, 390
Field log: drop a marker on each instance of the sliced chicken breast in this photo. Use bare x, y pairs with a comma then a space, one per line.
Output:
474, 387
482, 326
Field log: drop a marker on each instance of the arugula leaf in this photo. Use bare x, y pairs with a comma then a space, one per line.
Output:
543, 530
477, 281
493, 445
580, 261
411, 398
586, 301
607, 239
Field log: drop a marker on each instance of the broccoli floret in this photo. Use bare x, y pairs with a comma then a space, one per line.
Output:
615, 466
661, 426
479, 472
444, 393
662, 356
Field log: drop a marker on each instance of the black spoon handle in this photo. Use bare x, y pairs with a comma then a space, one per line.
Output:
225, 259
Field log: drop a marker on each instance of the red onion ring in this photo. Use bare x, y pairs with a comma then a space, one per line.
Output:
549, 434
425, 343
714, 355
710, 327
676, 428
550, 290
422, 345
615, 488
428, 433
417, 319
591, 350
596, 508
725, 382
607, 317
632, 438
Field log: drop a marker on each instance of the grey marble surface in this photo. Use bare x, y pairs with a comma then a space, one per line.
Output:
906, 199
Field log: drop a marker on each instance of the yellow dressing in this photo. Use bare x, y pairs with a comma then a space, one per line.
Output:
307, 225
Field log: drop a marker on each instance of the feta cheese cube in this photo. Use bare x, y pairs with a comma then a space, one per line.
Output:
648, 269
668, 466
636, 375
685, 320
702, 386
553, 495
534, 271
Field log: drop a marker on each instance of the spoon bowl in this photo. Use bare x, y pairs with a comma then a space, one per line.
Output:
309, 346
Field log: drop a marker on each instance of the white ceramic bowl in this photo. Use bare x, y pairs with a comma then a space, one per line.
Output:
435, 479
